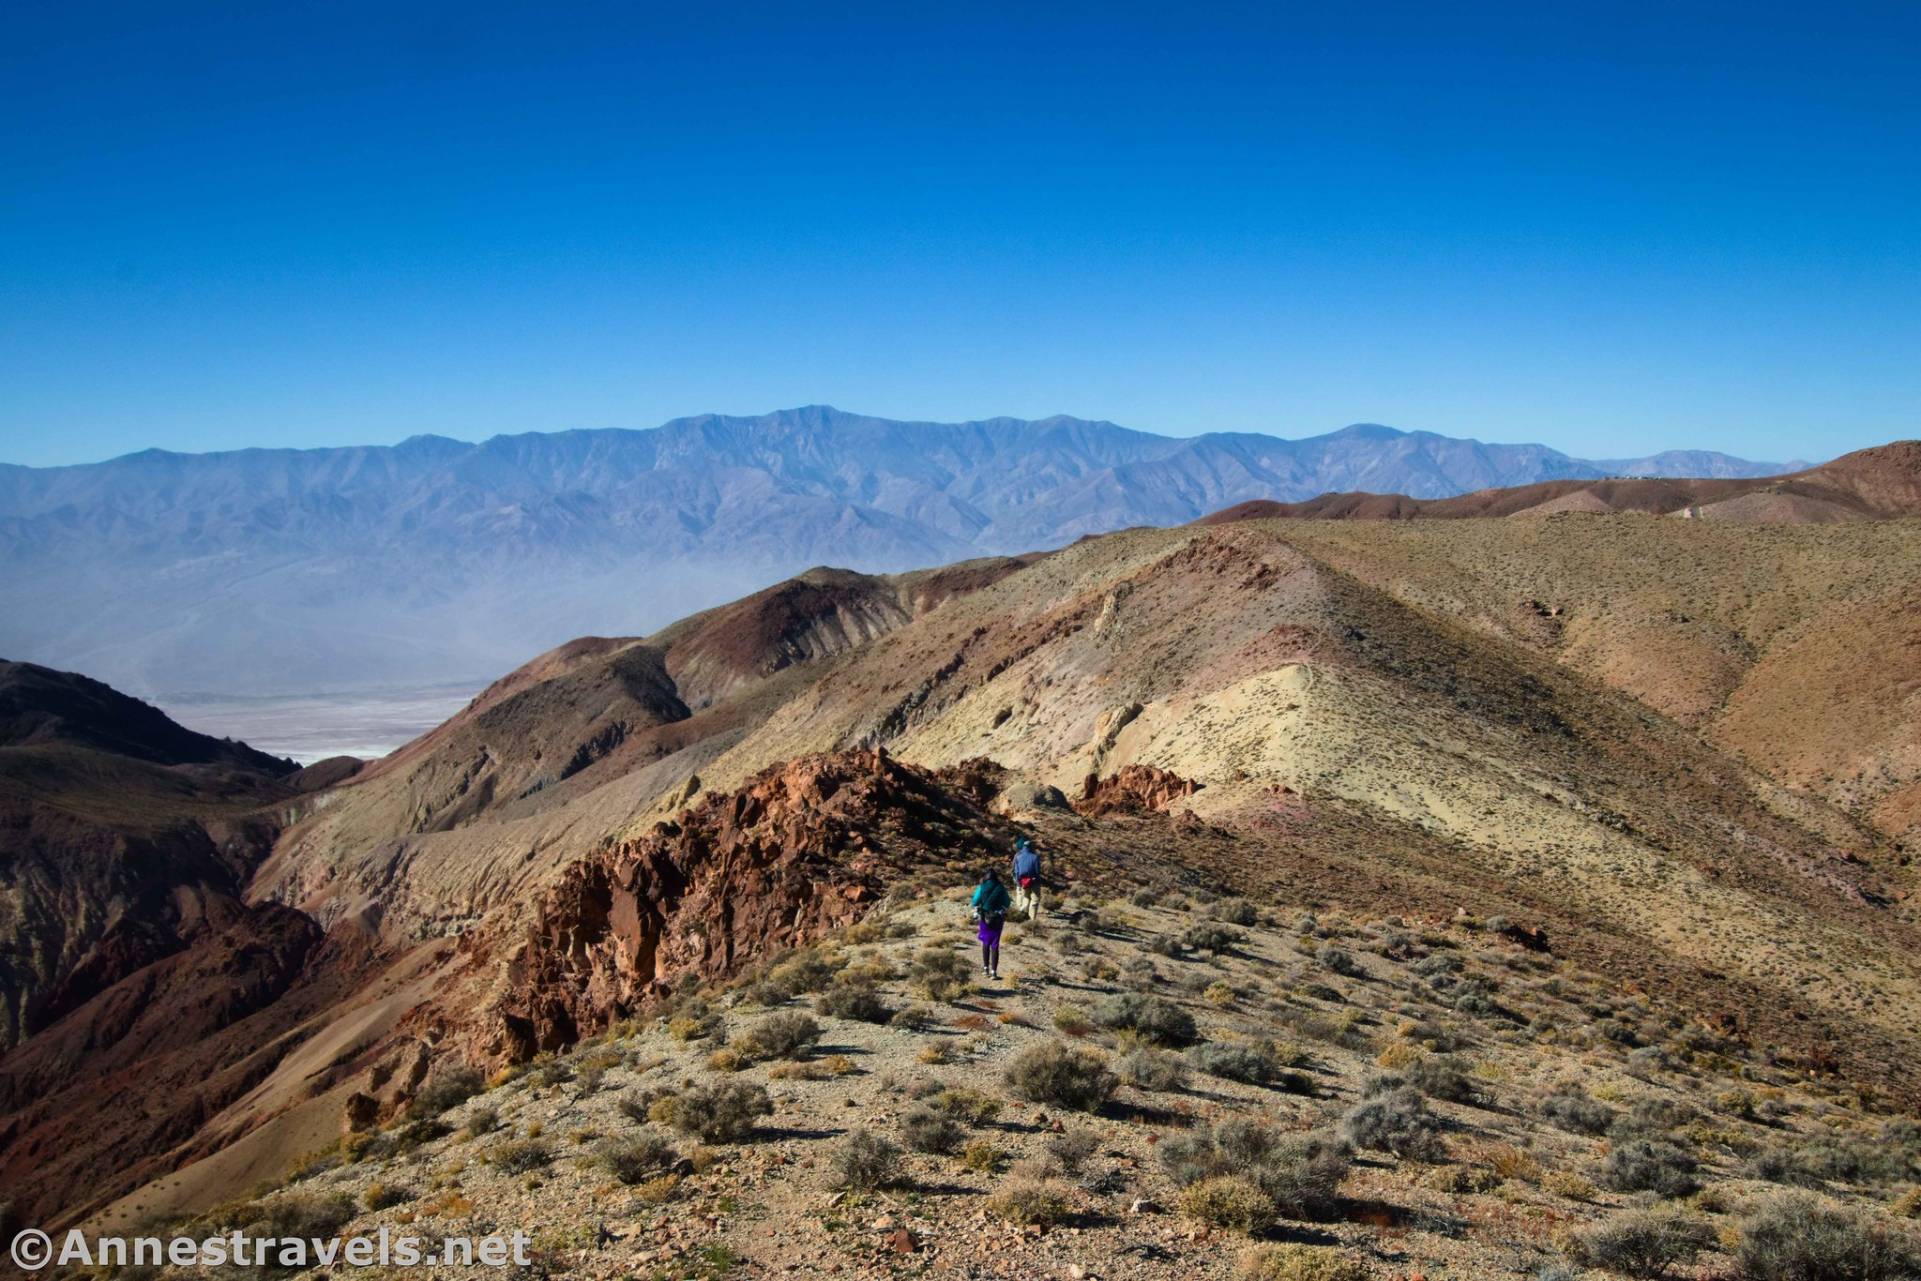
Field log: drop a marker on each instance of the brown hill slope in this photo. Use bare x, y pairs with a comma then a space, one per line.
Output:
1503, 717
1880, 483
575, 745
124, 834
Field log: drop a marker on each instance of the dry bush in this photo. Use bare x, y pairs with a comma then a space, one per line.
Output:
1228, 1201
1234, 911
913, 1018
723, 1113
1071, 1148
636, 1158
1209, 936
1396, 1122
1030, 1202
1443, 1077
1643, 1243
939, 974
1338, 960
1298, 1263
1300, 1173
968, 1105
1158, 1070
865, 1161
927, 1130
1649, 1165
859, 1002
519, 1156
1062, 1075
782, 1035
1157, 1019
1251, 1062
1794, 1237
1570, 1108
381, 1196
448, 1089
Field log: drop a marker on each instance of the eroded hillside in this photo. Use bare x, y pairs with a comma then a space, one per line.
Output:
1513, 719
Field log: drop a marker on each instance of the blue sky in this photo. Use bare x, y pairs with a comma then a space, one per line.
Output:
1610, 227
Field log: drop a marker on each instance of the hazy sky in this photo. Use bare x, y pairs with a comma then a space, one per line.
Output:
1610, 227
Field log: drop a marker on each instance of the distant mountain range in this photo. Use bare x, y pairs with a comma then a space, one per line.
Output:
268, 570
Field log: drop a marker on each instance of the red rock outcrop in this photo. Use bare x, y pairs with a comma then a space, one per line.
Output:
1133, 789
801, 849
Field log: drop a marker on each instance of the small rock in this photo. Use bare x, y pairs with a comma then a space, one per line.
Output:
901, 1241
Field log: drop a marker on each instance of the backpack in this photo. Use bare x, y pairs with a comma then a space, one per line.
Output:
990, 899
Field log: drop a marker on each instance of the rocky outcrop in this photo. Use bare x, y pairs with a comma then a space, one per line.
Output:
801, 849
1133, 789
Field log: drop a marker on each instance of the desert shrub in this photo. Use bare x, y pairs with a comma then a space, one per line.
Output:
969, 1106
1234, 911
1298, 1263
1649, 1165
449, 1089
1300, 1173
481, 1120
1146, 1069
1211, 936
1339, 960
1380, 1083
939, 974
381, 1196
551, 1072
866, 1160
1228, 1201
1570, 1108
1056, 1073
1073, 1020
1157, 1019
1396, 1122
723, 1113
1029, 1202
981, 1156
782, 1035
1252, 1062
1071, 1148
1442, 1077
1794, 1237
913, 1018
1565, 1183
859, 1002
1643, 1243
693, 1021
636, 1158
808, 971
926, 1130
1168, 945
1832, 1159
1653, 1115
519, 1156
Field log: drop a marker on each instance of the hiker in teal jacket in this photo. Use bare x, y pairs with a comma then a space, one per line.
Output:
990, 905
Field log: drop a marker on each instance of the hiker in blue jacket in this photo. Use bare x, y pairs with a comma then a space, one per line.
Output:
1027, 879
990, 909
